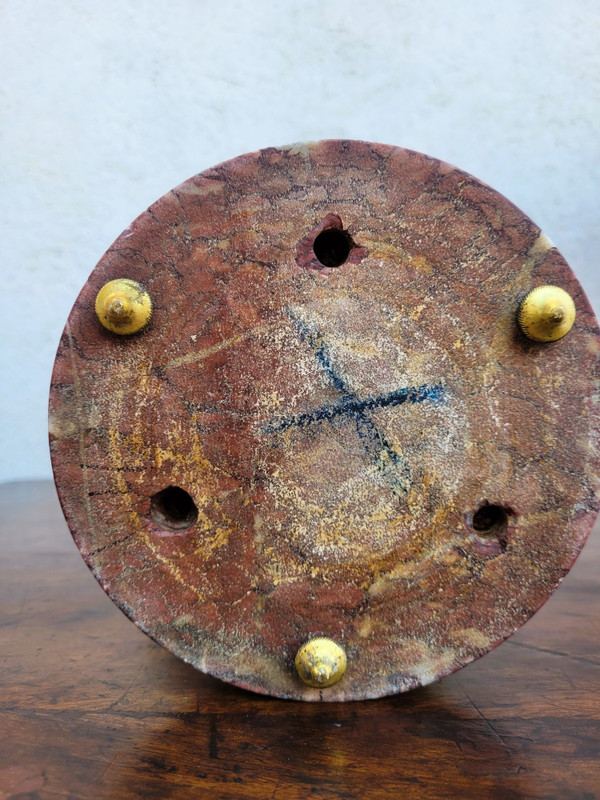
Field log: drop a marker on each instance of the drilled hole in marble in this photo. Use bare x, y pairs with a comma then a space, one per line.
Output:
332, 247
173, 508
491, 521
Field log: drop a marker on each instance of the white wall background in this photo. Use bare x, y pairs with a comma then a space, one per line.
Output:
104, 106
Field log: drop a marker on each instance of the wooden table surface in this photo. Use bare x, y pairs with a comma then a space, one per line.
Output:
92, 708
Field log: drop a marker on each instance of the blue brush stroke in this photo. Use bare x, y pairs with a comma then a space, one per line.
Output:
355, 408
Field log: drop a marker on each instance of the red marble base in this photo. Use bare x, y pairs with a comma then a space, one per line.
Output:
366, 446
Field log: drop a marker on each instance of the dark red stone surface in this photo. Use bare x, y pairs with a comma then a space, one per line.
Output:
337, 428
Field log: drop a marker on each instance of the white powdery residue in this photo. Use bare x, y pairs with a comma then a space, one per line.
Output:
543, 243
299, 148
502, 427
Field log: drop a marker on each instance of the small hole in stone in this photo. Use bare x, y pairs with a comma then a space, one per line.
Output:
332, 247
491, 522
173, 508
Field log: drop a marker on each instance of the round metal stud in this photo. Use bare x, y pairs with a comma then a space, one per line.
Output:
123, 306
546, 314
320, 662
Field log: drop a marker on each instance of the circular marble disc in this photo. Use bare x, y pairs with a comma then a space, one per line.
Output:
332, 425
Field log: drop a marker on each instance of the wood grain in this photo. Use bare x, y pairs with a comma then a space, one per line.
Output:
91, 708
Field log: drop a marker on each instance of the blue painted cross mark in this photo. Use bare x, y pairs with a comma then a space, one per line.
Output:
352, 407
